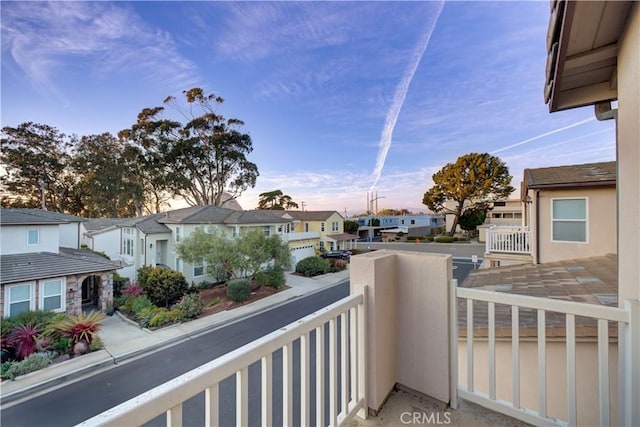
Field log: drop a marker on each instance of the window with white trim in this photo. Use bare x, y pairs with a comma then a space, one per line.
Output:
267, 230
127, 241
52, 295
198, 267
33, 237
335, 226
177, 234
321, 244
322, 226
178, 264
569, 220
18, 299
306, 227
141, 246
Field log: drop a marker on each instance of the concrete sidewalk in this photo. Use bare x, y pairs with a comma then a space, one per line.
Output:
125, 340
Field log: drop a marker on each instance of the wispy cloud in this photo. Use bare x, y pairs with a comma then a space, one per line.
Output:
528, 140
101, 37
400, 95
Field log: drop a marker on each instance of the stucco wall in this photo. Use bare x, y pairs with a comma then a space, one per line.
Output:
407, 321
586, 376
13, 239
628, 156
601, 225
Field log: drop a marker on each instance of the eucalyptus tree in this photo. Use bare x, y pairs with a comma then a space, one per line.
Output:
203, 160
36, 160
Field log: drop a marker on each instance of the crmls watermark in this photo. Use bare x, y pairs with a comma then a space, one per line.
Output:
420, 417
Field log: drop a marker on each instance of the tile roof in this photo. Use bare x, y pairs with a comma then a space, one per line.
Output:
42, 265
589, 280
586, 175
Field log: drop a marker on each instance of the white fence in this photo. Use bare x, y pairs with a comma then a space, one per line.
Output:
508, 240
350, 363
628, 319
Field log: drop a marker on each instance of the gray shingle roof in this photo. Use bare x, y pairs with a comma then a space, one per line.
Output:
42, 265
147, 224
99, 224
590, 174
254, 217
27, 217
311, 215
196, 215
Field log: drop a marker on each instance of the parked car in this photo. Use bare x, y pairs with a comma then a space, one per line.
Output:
345, 255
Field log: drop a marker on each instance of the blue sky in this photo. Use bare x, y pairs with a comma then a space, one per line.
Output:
339, 97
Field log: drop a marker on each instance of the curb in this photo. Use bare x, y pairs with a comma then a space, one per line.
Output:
11, 398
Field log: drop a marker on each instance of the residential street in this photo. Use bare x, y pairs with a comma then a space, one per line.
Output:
458, 250
81, 400
76, 402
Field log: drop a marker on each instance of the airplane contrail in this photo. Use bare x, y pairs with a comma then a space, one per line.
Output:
526, 141
399, 97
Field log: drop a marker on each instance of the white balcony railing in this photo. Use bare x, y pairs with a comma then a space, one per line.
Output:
346, 386
510, 240
628, 319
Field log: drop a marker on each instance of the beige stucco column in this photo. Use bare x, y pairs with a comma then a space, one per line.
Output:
407, 321
628, 156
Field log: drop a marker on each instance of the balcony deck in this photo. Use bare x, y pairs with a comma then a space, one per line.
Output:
405, 407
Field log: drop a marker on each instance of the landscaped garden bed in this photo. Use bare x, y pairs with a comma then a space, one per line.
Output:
36, 339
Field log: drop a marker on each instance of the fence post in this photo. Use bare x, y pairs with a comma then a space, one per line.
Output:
630, 374
453, 342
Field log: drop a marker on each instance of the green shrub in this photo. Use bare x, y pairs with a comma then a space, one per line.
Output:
140, 303
430, 238
444, 239
118, 284
338, 264
4, 367
143, 275
144, 316
62, 346
191, 306
164, 317
214, 301
33, 363
96, 344
205, 285
164, 287
313, 266
37, 318
119, 301
272, 276
238, 290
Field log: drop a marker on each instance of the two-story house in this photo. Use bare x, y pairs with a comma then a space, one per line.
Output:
43, 268
328, 224
566, 212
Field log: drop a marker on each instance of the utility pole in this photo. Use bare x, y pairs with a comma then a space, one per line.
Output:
375, 199
303, 203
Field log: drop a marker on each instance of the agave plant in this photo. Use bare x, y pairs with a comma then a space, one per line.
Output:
23, 339
81, 328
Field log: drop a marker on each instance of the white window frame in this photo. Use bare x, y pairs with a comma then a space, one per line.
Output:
306, 227
127, 249
321, 244
585, 220
7, 296
266, 229
177, 234
37, 231
322, 226
196, 264
335, 226
178, 265
63, 296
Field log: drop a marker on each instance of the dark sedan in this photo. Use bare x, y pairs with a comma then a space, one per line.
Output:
345, 255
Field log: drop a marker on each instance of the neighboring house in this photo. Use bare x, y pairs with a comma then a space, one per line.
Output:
43, 268
503, 213
328, 224
567, 212
151, 240
413, 225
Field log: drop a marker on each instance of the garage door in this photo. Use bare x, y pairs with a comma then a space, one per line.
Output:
300, 253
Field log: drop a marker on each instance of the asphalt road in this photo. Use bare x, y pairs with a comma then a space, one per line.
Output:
458, 250
81, 400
